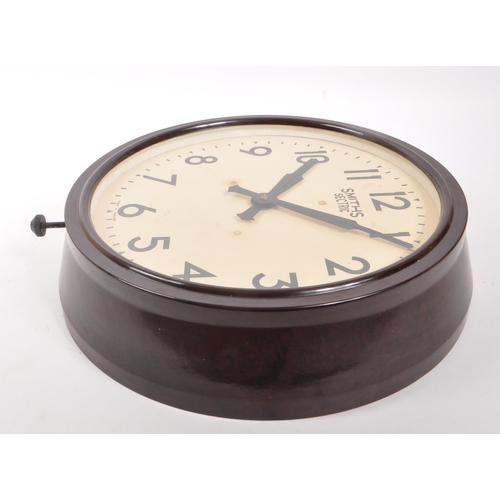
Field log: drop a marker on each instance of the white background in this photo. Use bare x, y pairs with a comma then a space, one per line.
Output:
57, 121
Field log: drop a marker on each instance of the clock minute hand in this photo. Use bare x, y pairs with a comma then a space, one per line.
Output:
286, 182
335, 220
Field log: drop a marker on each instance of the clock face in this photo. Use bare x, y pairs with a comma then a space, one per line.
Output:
265, 206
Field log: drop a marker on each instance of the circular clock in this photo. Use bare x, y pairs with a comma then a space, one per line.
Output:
265, 267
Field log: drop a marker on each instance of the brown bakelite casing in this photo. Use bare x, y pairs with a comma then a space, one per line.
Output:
266, 354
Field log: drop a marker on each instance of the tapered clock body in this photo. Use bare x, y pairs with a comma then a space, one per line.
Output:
266, 267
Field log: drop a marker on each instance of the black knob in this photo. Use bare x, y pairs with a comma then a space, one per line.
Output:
39, 225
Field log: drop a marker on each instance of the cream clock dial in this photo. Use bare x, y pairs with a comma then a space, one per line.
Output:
265, 207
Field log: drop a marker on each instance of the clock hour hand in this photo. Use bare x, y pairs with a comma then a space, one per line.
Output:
265, 201
287, 182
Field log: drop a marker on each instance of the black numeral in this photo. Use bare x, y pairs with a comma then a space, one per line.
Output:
358, 175
198, 160
154, 242
192, 271
331, 266
172, 181
293, 283
397, 196
308, 155
125, 210
258, 151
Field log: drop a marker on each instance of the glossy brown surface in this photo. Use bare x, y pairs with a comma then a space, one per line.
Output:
284, 372
264, 355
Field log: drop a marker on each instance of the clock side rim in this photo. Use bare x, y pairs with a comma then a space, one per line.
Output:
266, 365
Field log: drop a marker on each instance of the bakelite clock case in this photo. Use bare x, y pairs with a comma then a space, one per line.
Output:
266, 354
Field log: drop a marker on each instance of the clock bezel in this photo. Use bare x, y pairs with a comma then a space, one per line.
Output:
450, 229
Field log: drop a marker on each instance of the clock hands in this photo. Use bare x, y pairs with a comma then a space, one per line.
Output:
288, 181
263, 201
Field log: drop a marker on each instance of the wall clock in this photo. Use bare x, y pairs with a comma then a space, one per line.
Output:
265, 267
